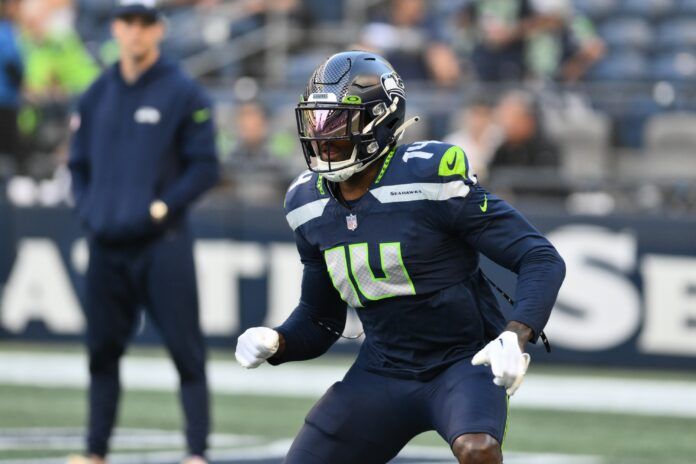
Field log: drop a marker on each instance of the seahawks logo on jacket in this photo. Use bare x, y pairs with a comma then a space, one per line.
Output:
147, 115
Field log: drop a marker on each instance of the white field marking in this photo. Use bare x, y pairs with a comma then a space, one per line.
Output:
278, 449
60, 438
158, 374
428, 452
554, 392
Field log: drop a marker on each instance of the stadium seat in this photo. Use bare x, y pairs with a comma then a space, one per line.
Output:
627, 32
93, 17
585, 142
687, 7
648, 9
675, 66
671, 133
321, 11
597, 9
624, 65
629, 111
677, 33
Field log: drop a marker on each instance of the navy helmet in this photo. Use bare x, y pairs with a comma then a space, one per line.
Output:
354, 97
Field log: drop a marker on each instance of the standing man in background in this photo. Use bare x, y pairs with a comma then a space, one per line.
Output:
143, 150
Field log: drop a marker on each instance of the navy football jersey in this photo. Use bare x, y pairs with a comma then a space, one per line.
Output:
406, 256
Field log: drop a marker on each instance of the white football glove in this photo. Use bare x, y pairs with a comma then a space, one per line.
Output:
256, 345
507, 361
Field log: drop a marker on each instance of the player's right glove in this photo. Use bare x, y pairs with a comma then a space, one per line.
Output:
256, 345
507, 361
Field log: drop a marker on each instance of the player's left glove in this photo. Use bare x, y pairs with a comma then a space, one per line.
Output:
507, 361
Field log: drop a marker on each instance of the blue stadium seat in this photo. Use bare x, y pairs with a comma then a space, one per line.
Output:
687, 6
650, 9
675, 66
624, 65
597, 9
630, 124
627, 32
322, 11
677, 33
93, 18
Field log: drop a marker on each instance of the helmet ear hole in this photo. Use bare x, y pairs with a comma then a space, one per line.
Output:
379, 109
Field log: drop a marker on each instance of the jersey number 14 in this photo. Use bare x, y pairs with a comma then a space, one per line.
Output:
352, 276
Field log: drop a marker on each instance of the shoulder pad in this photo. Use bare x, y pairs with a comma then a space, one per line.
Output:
305, 199
436, 161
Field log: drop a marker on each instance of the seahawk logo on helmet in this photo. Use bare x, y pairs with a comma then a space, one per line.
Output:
393, 85
351, 114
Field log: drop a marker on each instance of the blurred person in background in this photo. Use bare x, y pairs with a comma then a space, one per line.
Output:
499, 31
525, 154
564, 54
11, 76
411, 39
258, 166
57, 69
142, 152
58, 65
478, 134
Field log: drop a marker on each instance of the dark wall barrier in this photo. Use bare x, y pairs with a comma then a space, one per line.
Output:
629, 297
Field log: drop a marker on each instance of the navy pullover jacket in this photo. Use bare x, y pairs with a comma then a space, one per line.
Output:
135, 143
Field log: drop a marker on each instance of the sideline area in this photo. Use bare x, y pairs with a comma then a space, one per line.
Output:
568, 392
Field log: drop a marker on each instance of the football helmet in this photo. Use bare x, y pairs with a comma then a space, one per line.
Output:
351, 114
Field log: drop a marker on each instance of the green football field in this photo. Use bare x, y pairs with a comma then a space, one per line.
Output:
46, 422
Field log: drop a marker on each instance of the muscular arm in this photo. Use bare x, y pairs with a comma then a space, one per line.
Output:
540, 274
502, 234
301, 335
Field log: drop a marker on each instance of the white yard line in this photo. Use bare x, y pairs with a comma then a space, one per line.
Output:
557, 392
70, 438
276, 450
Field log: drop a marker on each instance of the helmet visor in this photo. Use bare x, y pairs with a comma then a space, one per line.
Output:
328, 131
327, 123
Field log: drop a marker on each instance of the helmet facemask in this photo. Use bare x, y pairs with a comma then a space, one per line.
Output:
341, 139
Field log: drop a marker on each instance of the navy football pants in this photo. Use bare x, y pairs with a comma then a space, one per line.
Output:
367, 418
159, 276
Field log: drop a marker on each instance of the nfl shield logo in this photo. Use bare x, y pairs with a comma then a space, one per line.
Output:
352, 221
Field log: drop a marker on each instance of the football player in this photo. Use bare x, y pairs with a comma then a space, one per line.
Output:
395, 231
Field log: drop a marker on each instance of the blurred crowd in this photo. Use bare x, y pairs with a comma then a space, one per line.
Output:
577, 103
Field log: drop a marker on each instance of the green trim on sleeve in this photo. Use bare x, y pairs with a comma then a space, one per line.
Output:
201, 116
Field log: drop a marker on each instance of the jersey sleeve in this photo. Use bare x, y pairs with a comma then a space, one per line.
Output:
497, 230
197, 152
320, 316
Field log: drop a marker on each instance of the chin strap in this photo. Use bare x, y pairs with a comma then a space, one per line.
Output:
399, 132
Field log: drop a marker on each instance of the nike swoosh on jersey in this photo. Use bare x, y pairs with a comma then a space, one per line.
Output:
450, 166
484, 206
